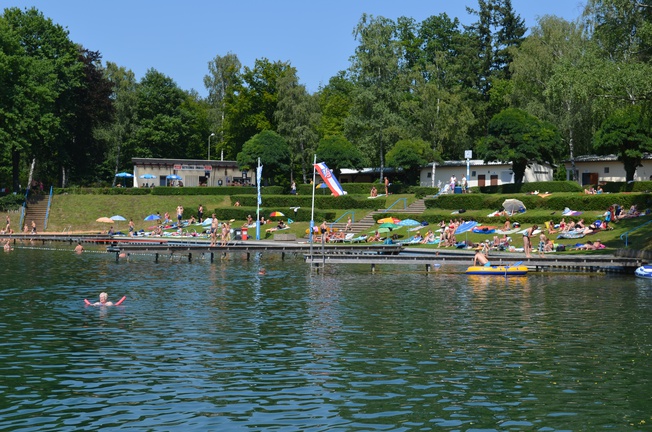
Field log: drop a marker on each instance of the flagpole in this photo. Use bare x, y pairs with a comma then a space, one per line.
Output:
258, 175
312, 213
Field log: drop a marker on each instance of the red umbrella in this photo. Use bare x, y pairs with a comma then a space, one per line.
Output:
276, 214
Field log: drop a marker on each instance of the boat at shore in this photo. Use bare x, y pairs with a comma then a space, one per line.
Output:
501, 270
644, 272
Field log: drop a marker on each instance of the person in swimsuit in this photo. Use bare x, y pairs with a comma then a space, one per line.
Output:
79, 248
527, 243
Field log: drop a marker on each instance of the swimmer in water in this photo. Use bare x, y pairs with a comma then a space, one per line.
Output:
261, 271
79, 248
104, 300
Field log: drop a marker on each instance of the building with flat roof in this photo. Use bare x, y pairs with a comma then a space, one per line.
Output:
191, 172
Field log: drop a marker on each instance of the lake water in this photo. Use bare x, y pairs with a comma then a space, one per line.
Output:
215, 346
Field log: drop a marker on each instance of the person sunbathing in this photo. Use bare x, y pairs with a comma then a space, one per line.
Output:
374, 238
588, 246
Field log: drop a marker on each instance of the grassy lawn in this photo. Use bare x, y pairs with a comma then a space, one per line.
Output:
79, 212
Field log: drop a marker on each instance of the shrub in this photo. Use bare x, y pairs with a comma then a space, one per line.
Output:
551, 186
11, 202
321, 202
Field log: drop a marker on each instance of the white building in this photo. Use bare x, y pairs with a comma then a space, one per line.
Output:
593, 169
481, 173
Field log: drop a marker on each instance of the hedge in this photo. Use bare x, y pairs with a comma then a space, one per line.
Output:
551, 186
637, 186
241, 213
580, 201
321, 202
163, 190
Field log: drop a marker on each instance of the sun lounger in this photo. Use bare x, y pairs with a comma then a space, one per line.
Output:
358, 239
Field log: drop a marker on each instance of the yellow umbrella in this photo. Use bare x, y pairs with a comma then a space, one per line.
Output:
105, 220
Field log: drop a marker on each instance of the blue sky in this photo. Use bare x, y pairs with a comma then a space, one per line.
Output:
179, 38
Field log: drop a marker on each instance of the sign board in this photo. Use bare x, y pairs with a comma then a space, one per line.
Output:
190, 167
468, 154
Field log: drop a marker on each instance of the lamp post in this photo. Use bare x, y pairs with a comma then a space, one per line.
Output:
209, 145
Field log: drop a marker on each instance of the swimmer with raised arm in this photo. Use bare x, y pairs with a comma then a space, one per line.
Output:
104, 301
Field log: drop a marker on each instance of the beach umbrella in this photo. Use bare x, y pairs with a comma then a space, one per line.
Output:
512, 205
381, 230
389, 225
117, 218
207, 221
408, 223
466, 226
104, 220
388, 220
174, 177
148, 176
152, 217
276, 214
124, 175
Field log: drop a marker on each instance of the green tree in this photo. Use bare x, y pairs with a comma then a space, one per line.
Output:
165, 126
550, 78
250, 108
40, 98
410, 156
628, 133
82, 154
375, 122
274, 154
335, 105
297, 115
223, 78
123, 123
337, 152
520, 138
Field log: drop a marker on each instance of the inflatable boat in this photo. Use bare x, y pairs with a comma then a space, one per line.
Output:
513, 270
644, 272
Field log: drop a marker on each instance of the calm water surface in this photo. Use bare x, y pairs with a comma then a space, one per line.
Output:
215, 346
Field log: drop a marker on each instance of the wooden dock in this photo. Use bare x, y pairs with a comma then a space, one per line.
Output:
189, 250
431, 259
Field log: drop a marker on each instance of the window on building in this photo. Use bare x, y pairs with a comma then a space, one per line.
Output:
472, 173
606, 170
429, 175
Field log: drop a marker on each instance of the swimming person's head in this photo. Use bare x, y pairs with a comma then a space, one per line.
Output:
103, 297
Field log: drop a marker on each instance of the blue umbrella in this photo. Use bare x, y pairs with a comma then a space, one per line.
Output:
408, 223
174, 177
124, 175
118, 218
148, 176
152, 217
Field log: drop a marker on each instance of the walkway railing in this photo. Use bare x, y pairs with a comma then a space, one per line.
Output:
352, 213
626, 234
404, 200
47, 211
23, 211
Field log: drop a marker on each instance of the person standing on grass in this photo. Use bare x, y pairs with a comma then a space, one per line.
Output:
179, 214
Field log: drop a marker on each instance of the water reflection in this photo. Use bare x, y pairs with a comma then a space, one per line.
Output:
216, 345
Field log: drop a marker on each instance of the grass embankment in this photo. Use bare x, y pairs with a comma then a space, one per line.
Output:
78, 213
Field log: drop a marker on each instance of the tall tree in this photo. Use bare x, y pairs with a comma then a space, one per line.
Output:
250, 108
550, 80
41, 95
375, 122
123, 124
335, 104
82, 154
297, 115
221, 82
